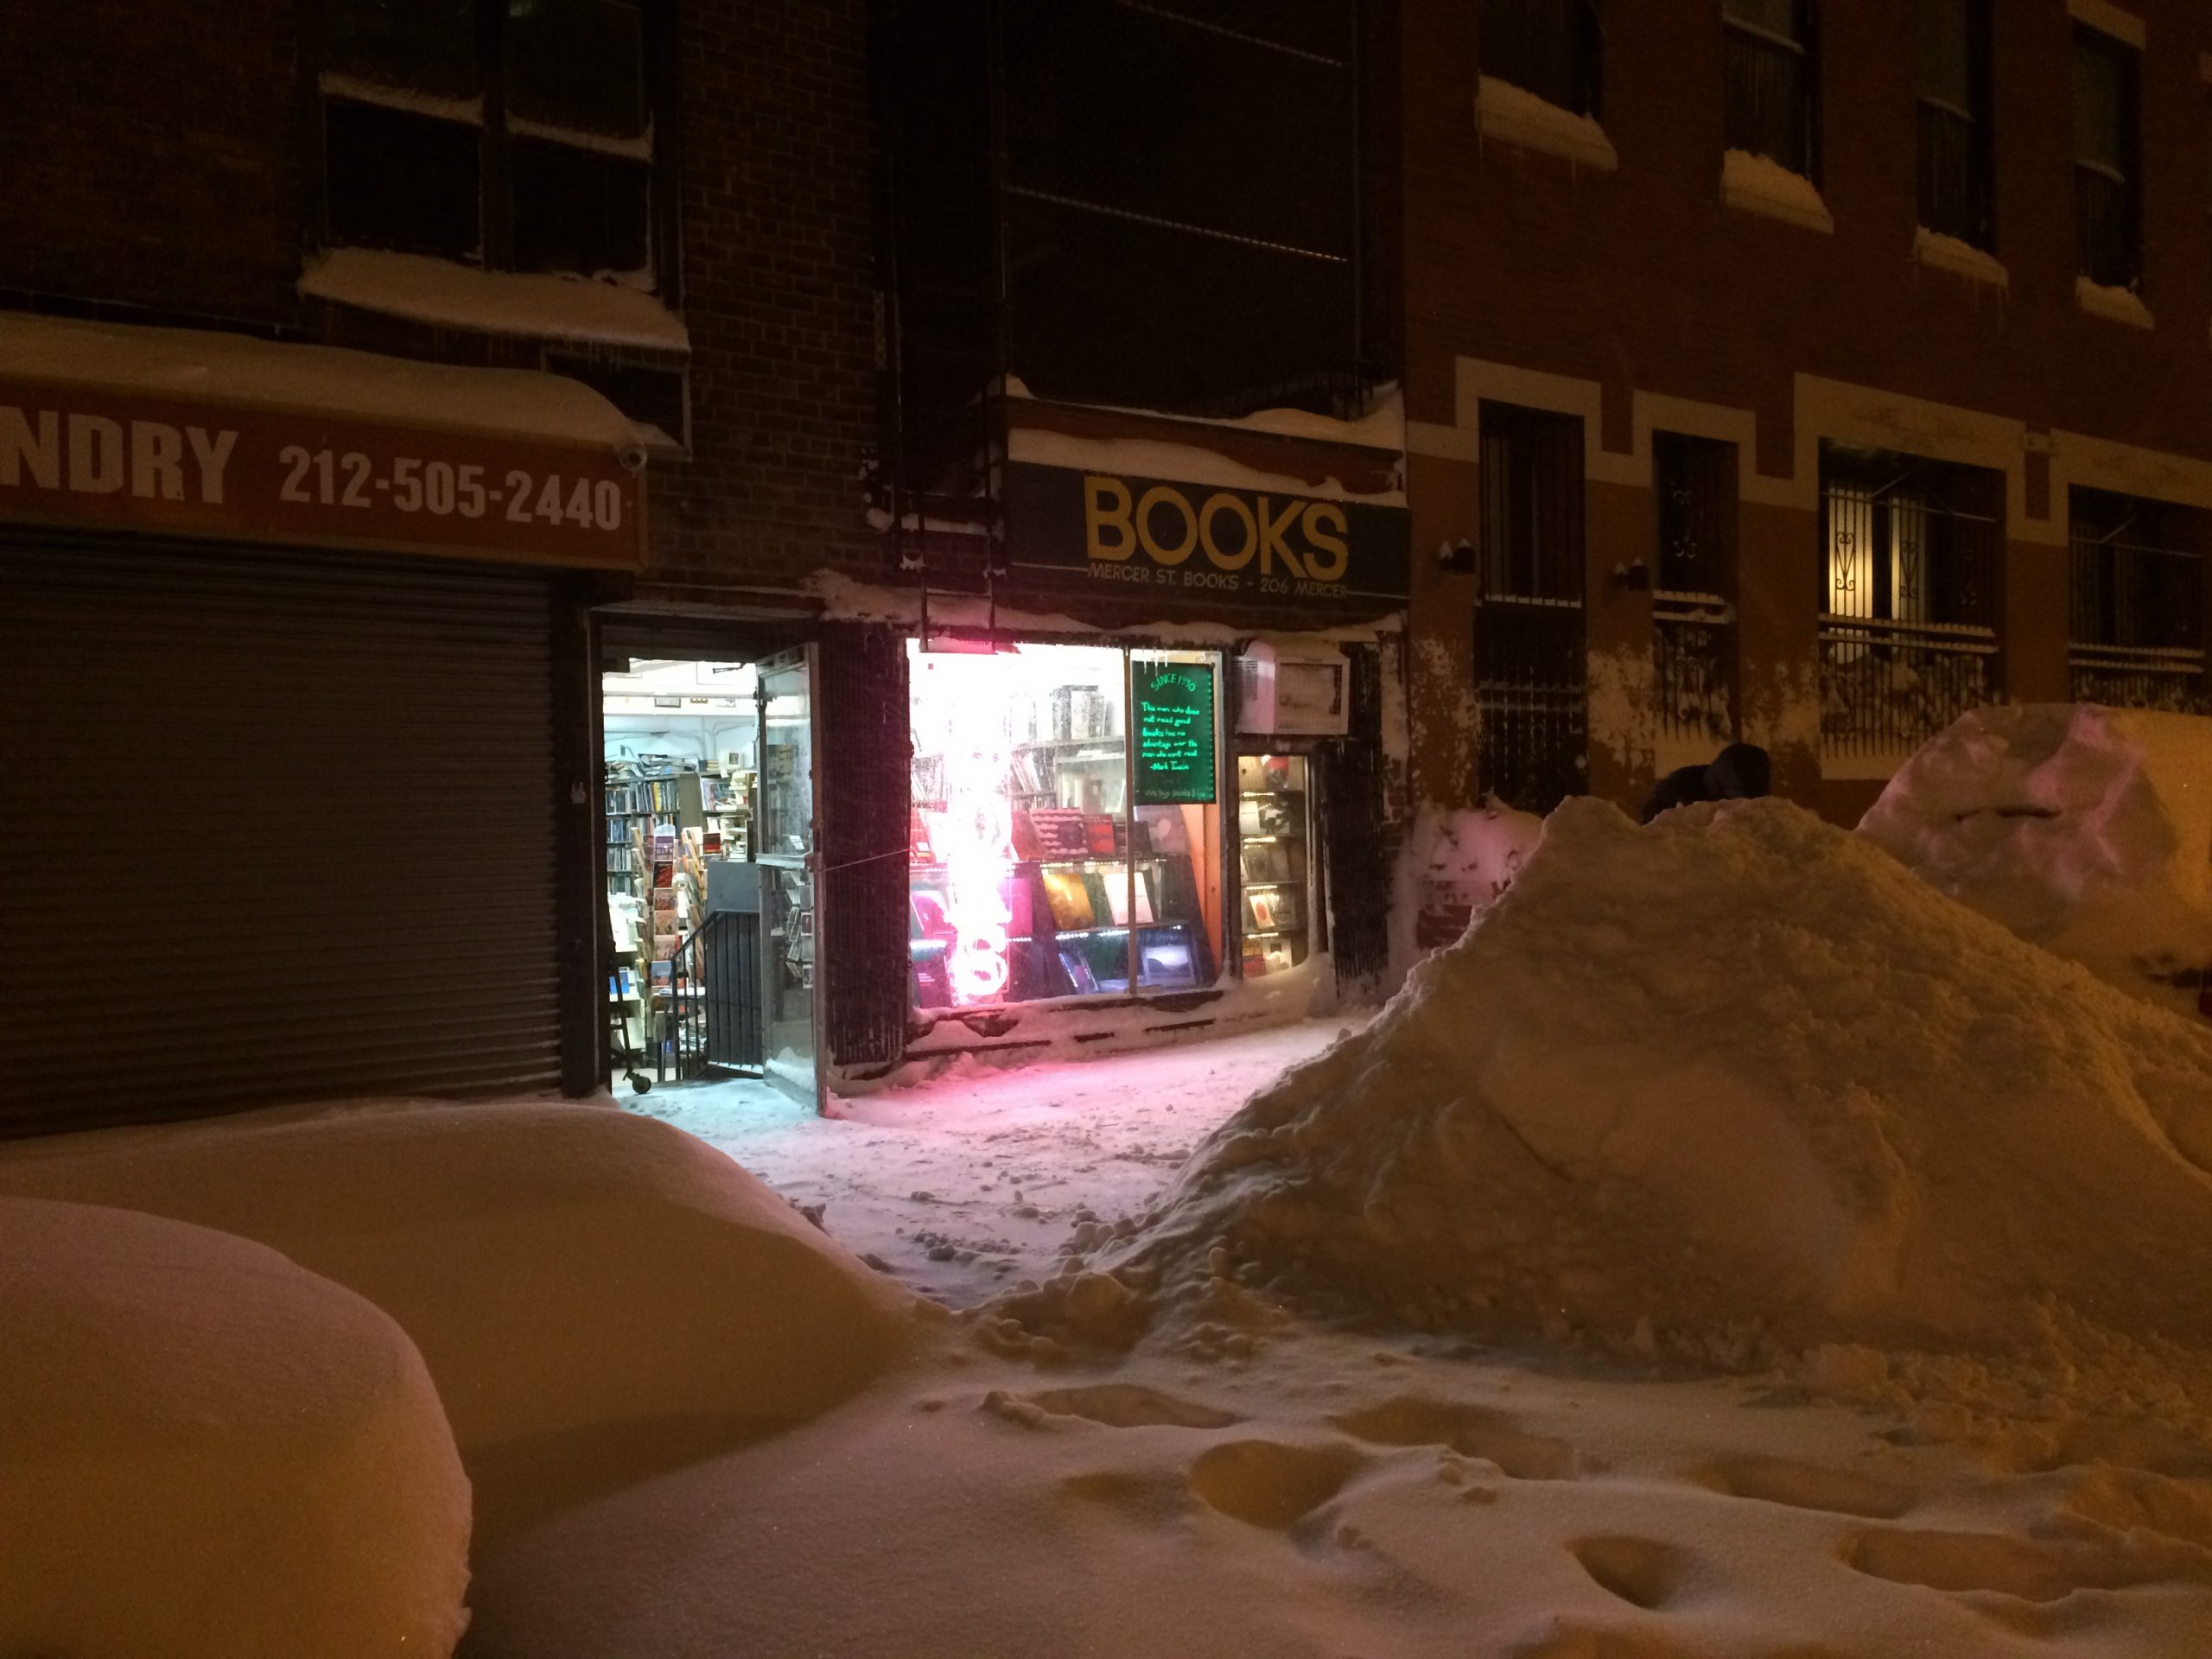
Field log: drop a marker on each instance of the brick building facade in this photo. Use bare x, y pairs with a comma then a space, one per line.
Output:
1583, 250
168, 174
492, 330
553, 345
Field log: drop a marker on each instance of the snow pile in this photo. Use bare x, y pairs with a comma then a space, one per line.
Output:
594, 1293
1735, 1086
208, 1450
2085, 830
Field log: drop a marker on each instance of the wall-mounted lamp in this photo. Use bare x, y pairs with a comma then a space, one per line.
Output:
1458, 557
1634, 577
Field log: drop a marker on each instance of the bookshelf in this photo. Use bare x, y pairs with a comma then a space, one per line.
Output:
665, 817
1274, 834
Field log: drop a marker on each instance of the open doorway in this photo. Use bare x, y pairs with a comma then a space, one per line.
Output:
708, 822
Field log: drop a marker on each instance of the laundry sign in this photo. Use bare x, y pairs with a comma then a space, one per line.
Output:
1160, 537
96, 459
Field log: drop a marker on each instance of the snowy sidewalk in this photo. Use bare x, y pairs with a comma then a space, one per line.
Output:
972, 1182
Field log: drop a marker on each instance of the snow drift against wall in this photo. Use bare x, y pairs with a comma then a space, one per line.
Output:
2085, 830
210, 1450
1735, 1086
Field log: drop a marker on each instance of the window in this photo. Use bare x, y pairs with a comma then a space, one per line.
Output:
1953, 55
1693, 604
2136, 603
1546, 47
1771, 76
1909, 599
513, 134
1531, 667
1067, 831
2107, 172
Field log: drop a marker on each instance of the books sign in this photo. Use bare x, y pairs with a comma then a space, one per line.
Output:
1150, 537
124, 461
1174, 733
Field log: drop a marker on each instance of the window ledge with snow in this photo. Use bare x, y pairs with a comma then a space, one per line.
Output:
1961, 259
445, 295
1759, 184
2113, 304
1513, 115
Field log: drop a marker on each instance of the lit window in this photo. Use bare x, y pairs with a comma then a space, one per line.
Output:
1771, 80
1066, 834
1909, 590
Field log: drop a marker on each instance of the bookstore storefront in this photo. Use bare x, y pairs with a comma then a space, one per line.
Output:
1121, 832
295, 768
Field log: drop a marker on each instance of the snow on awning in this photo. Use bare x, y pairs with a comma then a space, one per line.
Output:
197, 432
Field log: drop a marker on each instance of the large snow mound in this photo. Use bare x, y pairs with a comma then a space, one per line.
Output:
207, 1450
595, 1294
1738, 1084
2084, 829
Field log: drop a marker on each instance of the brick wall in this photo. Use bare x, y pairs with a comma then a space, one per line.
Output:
156, 174
1641, 280
778, 274
152, 154
1641, 277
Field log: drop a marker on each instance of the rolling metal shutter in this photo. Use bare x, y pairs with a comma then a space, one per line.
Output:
275, 828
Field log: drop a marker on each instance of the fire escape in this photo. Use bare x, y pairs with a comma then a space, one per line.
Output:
1113, 203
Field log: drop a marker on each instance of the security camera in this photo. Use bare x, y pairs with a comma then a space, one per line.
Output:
632, 457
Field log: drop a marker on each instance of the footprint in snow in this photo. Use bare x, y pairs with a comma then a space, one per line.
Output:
1642, 1572
1807, 1486
1473, 1431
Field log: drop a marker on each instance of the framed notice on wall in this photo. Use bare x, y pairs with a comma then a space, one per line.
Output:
1174, 729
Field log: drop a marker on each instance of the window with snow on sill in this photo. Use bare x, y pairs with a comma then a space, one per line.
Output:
2113, 304
446, 294
1961, 259
1759, 184
1516, 116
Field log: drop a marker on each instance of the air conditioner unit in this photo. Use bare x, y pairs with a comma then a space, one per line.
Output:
1294, 688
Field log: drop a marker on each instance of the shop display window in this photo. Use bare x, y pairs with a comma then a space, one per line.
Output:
1273, 839
1065, 836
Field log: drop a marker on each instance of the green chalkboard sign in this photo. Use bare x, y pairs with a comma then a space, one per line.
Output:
1174, 729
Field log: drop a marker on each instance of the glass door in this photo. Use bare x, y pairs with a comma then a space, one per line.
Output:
788, 890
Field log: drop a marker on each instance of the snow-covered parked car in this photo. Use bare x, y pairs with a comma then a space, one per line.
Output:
2085, 829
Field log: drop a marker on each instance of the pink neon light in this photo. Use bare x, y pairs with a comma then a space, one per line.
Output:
977, 847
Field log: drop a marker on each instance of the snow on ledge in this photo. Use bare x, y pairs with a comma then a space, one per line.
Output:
1961, 259
844, 598
2113, 304
226, 368
1184, 463
1514, 115
1380, 425
1759, 184
449, 295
